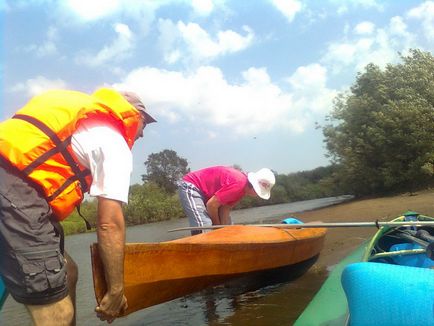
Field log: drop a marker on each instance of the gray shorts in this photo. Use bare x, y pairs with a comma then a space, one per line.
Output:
193, 203
31, 243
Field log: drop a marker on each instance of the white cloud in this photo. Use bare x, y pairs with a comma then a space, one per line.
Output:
289, 8
398, 26
169, 41
369, 44
364, 28
37, 85
345, 6
118, 50
254, 105
202, 7
173, 56
340, 55
305, 77
425, 13
199, 40
91, 10
192, 41
142, 11
311, 95
88, 10
47, 47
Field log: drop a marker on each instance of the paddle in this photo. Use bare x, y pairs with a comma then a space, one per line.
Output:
315, 225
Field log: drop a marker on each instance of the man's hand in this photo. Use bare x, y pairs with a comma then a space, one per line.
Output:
111, 306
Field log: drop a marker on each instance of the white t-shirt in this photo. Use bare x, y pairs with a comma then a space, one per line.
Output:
103, 150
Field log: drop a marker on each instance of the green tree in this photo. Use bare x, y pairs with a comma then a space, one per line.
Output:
278, 195
150, 203
165, 169
381, 132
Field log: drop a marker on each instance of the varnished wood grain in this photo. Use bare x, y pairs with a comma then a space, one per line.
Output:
159, 272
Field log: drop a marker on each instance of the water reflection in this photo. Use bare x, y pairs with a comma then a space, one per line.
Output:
222, 301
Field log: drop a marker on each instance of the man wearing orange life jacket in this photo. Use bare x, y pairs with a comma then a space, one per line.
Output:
60, 145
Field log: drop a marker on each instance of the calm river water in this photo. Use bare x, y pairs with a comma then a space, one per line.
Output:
230, 304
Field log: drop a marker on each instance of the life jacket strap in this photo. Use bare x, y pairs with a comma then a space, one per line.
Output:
88, 226
60, 147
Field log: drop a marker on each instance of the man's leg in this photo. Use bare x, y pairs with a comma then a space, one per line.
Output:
59, 313
62, 310
194, 207
72, 272
32, 264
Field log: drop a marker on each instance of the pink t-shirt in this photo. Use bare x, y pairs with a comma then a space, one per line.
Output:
226, 183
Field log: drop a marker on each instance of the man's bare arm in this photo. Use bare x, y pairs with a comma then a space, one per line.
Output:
224, 213
111, 245
212, 207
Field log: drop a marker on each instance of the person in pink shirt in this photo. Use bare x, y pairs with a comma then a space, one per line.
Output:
208, 195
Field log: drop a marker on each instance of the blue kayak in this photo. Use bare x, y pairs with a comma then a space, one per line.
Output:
394, 283
387, 281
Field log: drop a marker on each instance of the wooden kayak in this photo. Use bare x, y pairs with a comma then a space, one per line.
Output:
159, 272
388, 280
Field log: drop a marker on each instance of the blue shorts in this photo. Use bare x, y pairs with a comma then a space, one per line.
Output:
32, 265
193, 203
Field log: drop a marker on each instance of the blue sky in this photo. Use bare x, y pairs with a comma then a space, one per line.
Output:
230, 82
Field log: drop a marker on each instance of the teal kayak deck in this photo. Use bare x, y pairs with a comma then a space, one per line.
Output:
3, 293
397, 260
388, 294
329, 306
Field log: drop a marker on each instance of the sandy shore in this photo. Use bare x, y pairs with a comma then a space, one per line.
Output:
341, 241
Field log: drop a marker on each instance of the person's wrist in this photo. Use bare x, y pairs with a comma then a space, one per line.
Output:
116, 291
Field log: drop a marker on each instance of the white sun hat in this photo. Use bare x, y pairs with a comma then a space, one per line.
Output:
262, 182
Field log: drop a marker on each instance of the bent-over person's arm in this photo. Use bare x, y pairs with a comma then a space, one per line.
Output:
212, 207
111, 245
224, 213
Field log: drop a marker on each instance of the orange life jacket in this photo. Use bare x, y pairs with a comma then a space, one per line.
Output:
37, 140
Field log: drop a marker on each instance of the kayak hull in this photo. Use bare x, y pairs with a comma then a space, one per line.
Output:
159, 272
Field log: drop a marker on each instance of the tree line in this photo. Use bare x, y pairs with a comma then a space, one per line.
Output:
381, 132
379, 137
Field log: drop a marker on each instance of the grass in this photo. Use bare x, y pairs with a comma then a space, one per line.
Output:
74, 224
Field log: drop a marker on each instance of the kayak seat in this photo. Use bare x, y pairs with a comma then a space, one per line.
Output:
417, 260
389, 295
